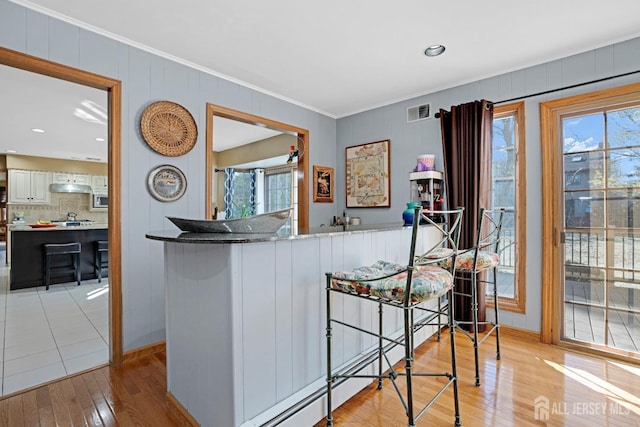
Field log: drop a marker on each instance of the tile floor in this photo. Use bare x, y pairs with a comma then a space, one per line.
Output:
51, 334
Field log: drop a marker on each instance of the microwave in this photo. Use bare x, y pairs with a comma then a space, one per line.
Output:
99, 201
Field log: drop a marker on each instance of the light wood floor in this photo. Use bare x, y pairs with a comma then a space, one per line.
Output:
580, 390
132, 395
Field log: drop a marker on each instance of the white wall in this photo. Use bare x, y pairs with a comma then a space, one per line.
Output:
259, 310
147, 78
410, 140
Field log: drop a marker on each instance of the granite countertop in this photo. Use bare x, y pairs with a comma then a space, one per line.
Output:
221, 238
26, 227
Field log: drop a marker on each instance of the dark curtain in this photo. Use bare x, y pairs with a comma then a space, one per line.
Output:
466, 144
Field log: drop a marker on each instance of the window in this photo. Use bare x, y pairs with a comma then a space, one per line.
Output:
507, 179
281, 191
278, 190
256, 191
243, 197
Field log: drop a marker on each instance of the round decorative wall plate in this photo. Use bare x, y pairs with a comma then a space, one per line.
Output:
168, 128
166, 183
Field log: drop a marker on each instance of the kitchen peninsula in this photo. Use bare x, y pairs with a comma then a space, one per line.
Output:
245, 321
26, 247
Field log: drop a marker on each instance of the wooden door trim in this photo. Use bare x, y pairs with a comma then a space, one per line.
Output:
303, 162
114, 96
550, 263
518, 303
550, 112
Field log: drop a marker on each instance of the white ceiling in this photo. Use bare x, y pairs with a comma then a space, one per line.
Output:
340, 57
233, 133
229, 134
71, 115
334, 56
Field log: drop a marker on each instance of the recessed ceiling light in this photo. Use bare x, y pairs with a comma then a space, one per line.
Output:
38, 130
100, 139
434, 50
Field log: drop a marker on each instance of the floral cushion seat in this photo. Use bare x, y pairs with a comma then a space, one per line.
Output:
464, 260
486, 260
427, 281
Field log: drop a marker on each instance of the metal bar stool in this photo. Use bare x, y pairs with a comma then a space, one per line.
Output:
101, 248
404, 288
60, 249
479, 264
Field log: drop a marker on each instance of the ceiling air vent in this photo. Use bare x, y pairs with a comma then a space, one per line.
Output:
419, 112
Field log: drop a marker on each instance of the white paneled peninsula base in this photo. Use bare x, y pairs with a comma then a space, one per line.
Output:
245, 317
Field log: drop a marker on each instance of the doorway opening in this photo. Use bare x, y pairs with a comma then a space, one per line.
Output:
301, 223
113, 89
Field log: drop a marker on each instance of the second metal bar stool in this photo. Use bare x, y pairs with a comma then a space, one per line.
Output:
404, 288
479, 265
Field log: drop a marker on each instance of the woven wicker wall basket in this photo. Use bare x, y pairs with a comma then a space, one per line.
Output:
169, 128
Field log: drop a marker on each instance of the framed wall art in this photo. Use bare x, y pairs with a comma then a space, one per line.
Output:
368, 175
322, 184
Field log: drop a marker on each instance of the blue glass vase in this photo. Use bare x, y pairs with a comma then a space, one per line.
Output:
407, 214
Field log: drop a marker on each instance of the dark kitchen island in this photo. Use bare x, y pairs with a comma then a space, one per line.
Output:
26, 246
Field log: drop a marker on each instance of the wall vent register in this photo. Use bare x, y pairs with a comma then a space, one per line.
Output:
419, 112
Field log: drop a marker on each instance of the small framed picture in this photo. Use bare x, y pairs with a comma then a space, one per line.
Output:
322, 184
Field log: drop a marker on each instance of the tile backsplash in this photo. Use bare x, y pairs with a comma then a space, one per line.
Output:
61, 204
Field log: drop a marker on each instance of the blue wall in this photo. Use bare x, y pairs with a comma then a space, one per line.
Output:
147, 78
408, 140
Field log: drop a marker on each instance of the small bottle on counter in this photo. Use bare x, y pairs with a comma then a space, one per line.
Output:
345, 221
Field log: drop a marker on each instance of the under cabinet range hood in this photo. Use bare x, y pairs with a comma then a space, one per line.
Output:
70, 188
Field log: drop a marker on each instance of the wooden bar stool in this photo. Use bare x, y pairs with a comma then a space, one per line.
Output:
100, 262
62, 249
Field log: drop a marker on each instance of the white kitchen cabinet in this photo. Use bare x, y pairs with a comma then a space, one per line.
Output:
99, 183
29, 186
71, 178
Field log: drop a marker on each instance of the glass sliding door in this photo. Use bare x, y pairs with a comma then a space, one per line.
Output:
601, 227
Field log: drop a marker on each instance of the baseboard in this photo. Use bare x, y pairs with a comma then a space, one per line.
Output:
145, 351
299, 410
179, 414
520, 332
